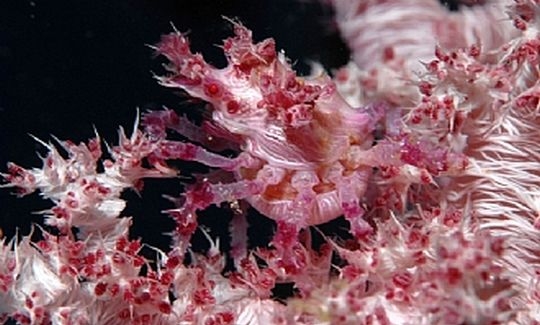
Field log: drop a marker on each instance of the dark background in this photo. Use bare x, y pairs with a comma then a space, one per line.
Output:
66, 66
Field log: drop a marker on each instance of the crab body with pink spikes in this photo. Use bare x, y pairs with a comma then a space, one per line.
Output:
300, 141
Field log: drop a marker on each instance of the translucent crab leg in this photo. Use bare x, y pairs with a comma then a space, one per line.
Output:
239, 231
167, 150
209, 135
156, 124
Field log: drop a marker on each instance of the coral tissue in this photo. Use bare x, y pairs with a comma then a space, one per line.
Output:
426, 144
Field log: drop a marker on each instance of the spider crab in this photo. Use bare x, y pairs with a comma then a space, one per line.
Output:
306, 154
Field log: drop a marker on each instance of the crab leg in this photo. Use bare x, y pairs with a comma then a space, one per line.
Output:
204, 194
208, 135
168, 150
156, 124
239, 231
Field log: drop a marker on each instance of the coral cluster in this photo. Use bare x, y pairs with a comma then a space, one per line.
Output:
426, 144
